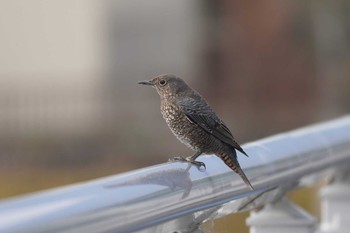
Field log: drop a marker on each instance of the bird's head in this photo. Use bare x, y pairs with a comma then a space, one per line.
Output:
168, 85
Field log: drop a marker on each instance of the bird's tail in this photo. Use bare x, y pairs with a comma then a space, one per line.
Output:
240, 172
231, 162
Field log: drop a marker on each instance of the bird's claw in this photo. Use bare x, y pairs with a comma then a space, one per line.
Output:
198, 164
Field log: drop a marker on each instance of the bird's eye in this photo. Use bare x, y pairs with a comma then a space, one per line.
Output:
162, 82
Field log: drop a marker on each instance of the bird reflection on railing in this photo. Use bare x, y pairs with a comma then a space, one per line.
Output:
174, 179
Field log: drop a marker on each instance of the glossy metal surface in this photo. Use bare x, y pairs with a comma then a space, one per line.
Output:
177, 196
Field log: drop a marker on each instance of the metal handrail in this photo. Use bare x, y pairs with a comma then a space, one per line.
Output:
174, 196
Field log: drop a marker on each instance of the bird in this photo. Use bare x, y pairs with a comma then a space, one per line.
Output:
195, 124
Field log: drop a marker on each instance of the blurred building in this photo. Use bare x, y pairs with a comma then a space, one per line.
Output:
69, 71
50, 64
279, 64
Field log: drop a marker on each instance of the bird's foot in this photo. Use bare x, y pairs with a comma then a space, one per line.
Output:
198, 164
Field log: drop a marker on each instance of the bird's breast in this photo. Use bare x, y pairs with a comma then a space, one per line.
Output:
186, 131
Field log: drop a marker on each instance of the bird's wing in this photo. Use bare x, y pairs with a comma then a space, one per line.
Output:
208, 121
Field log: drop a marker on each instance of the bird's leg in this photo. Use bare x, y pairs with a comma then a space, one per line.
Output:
194, 156
190, 159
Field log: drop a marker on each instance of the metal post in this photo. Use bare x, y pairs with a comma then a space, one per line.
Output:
335, 204
282, 216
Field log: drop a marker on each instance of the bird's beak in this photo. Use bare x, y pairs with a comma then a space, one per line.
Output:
146, 83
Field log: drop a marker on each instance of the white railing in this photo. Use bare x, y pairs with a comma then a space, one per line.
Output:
177, 197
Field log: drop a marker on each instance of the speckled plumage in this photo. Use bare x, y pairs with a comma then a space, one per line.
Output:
194, 123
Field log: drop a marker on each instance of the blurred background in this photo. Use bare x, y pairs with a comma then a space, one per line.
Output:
71, 108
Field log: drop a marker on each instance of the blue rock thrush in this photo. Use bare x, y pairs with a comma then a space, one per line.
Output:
195, 124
